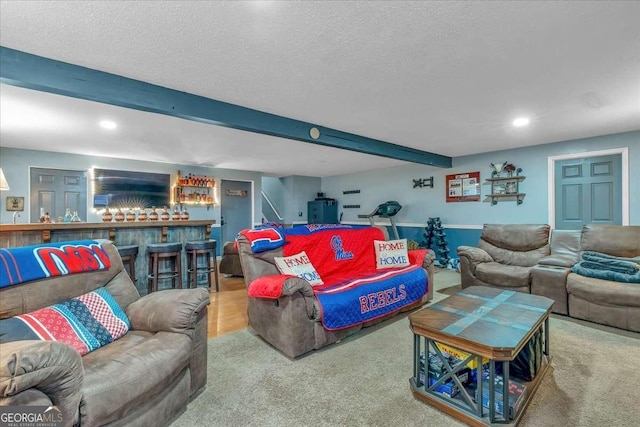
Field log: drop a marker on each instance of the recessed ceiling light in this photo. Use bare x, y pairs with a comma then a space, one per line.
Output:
108, 124
521, 121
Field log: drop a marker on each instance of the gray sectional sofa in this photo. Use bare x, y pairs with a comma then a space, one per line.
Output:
544, 269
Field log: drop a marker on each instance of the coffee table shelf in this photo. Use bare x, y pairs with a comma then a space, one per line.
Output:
491, 326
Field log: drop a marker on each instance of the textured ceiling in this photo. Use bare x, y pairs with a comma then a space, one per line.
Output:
445, 77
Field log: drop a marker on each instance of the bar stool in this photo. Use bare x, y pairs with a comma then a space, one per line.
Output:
128, 255
196, 249
171, 252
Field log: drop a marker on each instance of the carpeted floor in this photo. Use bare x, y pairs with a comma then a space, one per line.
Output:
364, 380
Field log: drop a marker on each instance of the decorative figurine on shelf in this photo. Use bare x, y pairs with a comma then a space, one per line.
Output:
131, 215
107, 216
510, 168
75, 217
184, 215
153, 215
165, 216
142, 216
67, 216
119, 216
176, 213
497, 169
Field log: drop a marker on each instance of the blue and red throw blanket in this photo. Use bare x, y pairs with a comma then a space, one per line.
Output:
354, 290
366, 298
28, 263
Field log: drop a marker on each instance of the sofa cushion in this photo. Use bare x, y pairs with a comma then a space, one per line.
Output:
391, 253
611, 239
86, 322
497, 274
299, 265
121, 376
515, 244
603, 292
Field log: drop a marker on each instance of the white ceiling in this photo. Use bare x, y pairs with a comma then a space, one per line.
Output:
445, 77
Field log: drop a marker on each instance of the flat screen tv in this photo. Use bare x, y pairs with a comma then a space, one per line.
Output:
128, 189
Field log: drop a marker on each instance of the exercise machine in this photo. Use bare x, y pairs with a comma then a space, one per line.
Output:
385, 210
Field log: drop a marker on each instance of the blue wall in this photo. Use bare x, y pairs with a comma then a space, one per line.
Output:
463, 220
291, 194
15, 164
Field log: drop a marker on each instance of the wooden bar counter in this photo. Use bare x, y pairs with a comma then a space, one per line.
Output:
139, 233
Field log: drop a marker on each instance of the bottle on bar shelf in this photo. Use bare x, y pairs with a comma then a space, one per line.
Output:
165, 216
67, 216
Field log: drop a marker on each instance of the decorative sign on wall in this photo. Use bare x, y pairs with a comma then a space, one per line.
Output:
15, 203
463, 187
423, 182
239, 193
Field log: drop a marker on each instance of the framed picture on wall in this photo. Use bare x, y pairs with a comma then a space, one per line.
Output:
15, 203
463, 187
499, 189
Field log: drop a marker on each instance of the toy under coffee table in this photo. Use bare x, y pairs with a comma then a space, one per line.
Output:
463, 346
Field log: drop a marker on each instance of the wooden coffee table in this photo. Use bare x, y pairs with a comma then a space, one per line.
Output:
489, 325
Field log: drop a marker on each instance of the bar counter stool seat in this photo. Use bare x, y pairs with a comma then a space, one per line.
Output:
171, 252
206, 248
128, 255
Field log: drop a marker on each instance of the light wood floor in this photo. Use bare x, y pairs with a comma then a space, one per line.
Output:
228, 308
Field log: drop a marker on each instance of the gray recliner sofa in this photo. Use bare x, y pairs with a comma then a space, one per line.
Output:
505, 256
292, 323
144, 378
602, 301
597, 300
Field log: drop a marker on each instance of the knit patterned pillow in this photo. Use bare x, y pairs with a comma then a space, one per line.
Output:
86, 322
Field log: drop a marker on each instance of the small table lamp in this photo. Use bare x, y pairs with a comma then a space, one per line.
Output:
4, 185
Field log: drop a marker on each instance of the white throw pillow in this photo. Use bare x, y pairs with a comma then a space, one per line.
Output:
391, 253
299, 265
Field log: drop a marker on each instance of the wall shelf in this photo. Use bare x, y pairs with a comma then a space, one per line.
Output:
505, 189
194, 194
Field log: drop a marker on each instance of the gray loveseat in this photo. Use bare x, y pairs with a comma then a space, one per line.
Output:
292, 323
142, 379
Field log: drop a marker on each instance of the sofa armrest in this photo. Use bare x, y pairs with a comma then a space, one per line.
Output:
172, 310
474, 255
52, 367
425, 259
280, 285
566, 261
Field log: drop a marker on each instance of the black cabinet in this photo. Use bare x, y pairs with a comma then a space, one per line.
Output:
323, 211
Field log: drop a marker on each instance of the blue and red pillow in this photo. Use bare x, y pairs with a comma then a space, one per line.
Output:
86, 322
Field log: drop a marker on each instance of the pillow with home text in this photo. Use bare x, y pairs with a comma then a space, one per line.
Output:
299, 265
391, 253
